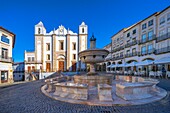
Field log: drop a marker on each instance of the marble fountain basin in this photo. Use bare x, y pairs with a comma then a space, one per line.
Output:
93, 55
124, 90
93, 80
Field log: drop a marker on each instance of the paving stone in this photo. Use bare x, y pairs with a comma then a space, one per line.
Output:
28, 98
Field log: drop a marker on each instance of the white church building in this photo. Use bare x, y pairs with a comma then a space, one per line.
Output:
56, 50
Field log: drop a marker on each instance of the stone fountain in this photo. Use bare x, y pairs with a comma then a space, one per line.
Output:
100, 88
92, 56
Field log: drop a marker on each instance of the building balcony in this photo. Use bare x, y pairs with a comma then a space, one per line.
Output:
131, 43
118, 57
131, 54
148, 39
118, 49
142, 53
33, 62
163, 37
163, 50
6, 59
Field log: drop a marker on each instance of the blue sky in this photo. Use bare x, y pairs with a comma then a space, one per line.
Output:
103, 17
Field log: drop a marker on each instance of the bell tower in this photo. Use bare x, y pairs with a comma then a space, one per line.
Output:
83, 33
40, 31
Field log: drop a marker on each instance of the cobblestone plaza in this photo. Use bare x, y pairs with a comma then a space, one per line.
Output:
28, 98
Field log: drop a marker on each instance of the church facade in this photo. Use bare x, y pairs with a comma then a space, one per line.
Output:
56, 50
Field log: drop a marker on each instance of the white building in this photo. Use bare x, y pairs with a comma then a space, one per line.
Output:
18, 71
148, 39
7, 41
56, 50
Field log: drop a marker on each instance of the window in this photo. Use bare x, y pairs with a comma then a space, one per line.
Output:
134, 39
133, 51
113, 56
74, 56
117, 39
4, 53
162, 20
121, 54
134, 31
144, 38
150, 48
168, 30
32, 58
162, 32
168, 17
144, 26
128, 34
61, 45
48, 46
39, 30
74, 46
150, 23
82, 30
150, 34
117, 55
4, 39
143, 50
29, 59
48, 57
128, 52
4, 75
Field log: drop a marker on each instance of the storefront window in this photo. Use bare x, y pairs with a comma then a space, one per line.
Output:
4, 75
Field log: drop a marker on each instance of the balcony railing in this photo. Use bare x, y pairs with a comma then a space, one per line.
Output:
163, 37
131, 43
6, 59
118, 57
148, 52
148, 39
163, 50
33, 61
131, 54
118, 49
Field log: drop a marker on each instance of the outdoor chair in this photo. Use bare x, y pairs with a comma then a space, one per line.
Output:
142, 73
117, 72
135, 73
125, 72
168, 73
151, 73
159, 73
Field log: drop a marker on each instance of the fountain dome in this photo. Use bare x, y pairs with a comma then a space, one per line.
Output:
93, 55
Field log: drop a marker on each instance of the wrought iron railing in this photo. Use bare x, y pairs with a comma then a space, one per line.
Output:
148, 39
163, 50
163, 37
6, 59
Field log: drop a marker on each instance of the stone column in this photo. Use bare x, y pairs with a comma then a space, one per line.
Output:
92, 69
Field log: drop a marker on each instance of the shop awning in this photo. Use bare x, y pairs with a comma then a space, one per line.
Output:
121, 65
164, 60
145, 62
131, 64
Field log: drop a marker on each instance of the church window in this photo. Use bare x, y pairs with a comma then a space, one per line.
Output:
82, 30
61, 45
74, 46
39, 30
74, 56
